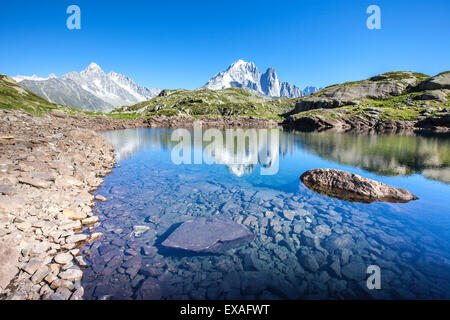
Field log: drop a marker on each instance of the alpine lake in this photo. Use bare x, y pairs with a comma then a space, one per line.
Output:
306, 245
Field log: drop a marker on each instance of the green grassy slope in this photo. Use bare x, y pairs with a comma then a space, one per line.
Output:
205, 102
388, 76
401, 107
13, 96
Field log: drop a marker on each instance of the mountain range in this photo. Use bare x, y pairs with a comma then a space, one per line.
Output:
242, 74
93, 89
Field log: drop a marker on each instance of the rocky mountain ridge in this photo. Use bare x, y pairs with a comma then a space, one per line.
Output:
389, 101
91, 89
242, 74
94, 90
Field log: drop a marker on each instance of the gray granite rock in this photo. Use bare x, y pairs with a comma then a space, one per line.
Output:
208, 234
352, 187
440, 81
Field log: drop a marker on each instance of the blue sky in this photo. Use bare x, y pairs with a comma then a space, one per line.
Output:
181, 44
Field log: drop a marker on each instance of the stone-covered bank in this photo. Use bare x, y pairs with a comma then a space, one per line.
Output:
48, 167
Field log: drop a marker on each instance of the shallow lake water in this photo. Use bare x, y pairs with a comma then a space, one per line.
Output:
307, 246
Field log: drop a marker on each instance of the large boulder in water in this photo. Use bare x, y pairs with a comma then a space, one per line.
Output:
352, 187
208, 234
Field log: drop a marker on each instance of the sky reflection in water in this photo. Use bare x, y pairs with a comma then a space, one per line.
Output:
289, 258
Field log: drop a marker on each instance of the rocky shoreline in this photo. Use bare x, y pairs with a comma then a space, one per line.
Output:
107, 123
367, 124
48, 167
215, 122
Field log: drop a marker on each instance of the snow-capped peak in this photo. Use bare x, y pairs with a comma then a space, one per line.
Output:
34, 77
246, 75
91, 86
243, 67
93, 67
242, 74
131, 87
241, 62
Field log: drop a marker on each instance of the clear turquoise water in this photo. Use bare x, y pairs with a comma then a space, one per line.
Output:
323, 253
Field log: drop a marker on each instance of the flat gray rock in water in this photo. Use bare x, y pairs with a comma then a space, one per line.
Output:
208, 234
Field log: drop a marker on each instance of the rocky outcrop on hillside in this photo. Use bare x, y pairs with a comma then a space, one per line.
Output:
342, 96
380, 87
388, 102
440, 81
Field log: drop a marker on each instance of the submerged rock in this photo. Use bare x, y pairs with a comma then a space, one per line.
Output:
100, 198
140, 230
352, 187
208, 234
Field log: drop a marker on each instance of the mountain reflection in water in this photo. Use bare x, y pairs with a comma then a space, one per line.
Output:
389, 155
